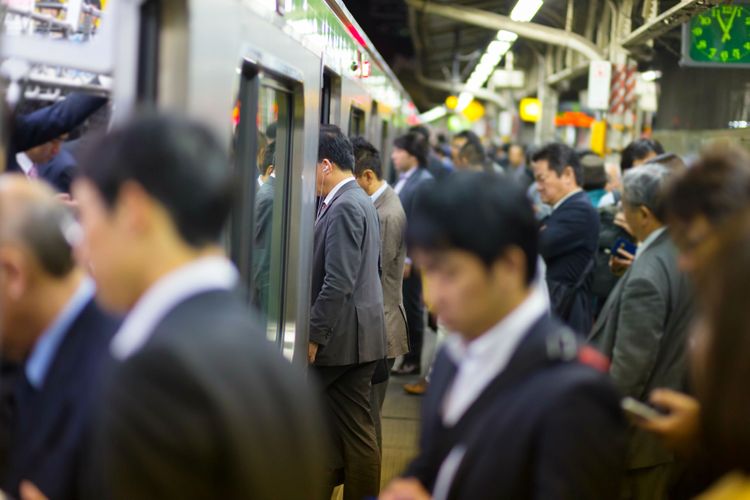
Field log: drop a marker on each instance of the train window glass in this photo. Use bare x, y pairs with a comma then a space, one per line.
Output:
356, 122
325, 99
385, 154
274, 121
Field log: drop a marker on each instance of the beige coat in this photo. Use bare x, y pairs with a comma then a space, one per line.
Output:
392, 256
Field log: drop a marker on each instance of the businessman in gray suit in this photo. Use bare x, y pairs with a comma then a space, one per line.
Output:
347, 326
643, 326
369, 172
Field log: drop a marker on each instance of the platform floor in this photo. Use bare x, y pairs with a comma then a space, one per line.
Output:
400, 421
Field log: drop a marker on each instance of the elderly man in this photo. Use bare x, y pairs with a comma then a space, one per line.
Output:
53, 328
643, 324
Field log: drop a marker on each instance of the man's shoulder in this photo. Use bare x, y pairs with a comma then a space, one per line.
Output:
390, 206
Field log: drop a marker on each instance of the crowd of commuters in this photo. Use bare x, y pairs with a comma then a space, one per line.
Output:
133, 368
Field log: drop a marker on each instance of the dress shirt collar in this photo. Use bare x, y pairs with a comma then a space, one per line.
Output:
24, 162
45, 349
202, 275
499, 342
336, 189
374, 196
565, 198
649, 240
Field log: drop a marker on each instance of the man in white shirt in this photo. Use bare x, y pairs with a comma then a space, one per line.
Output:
198, 404
516, 408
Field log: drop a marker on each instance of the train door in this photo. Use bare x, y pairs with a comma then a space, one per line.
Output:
259, 231
356, 122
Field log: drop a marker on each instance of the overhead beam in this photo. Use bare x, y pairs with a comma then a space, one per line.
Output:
666, 21
493, 21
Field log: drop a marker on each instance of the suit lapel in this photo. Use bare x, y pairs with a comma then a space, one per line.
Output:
346, 187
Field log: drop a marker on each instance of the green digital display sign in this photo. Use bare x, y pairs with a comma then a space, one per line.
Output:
720, 36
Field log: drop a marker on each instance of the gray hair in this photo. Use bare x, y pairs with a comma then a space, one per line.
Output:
644, 186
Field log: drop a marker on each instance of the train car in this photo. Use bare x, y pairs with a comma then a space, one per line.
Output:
254, 71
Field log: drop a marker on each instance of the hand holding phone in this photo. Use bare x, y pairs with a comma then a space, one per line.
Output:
623, 244
635, 409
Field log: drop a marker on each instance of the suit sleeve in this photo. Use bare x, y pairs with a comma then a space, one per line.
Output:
53, 121
152, 441
581, 446
562, 233
343, 256
640, 328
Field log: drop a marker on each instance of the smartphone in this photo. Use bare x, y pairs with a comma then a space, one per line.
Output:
625, 244
634, 408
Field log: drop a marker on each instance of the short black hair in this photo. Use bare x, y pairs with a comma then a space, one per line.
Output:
41, 227
469, 135
558, 156
366, 157
267, 158
271, 131
335, 147
473, 154
415, 144
594, 173
477, 212
177, 161
638, 150
421, 130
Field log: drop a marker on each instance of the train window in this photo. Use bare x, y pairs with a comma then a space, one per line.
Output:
356, 122
263, 118
325, 99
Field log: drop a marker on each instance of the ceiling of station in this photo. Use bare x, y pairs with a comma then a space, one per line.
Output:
423, 47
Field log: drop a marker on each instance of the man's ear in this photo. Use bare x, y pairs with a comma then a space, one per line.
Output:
134, 206
15, 272
270, 170
644, 211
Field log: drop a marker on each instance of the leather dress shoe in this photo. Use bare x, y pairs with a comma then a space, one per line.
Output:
416, 389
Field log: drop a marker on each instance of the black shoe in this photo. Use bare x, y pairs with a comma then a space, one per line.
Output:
406, 369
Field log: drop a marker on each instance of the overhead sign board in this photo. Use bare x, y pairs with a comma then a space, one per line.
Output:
600, 79
718, 37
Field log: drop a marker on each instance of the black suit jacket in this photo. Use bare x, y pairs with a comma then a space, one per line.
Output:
208, 408
545, 427
48, 123
568, 242
49, 445
262, 243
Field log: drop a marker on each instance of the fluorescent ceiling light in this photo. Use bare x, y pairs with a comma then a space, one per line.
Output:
650, 76
433, 114
525, 10
464, 98
497, 48
506, 36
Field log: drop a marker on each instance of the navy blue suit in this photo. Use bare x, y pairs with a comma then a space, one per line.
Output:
568, 242
51, 423
48, 123
548, 426
60, 171
412, 287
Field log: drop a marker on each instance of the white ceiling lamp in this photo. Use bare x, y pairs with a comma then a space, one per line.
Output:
525, 10
506, 36
433, 114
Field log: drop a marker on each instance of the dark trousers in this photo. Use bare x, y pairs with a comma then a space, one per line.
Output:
414, 308
353, 440
377, 398
648, 483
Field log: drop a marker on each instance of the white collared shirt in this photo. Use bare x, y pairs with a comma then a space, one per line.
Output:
335, 190
24, 162
403, 179
565, 198
202, 275
485, 357
374, 196
649, 240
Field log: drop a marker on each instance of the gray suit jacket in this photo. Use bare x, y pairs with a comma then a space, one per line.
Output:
643, 328
347, 319
392, 257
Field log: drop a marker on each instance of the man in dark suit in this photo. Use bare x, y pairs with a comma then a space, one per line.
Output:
368, 170
515, 408
569, 236
48, 124
347, 326
644, 323
60, 171
434, 164
409, 158
264, 199
197, 404
53, 328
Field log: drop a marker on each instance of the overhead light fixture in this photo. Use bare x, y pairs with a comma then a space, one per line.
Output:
464, 98
525, 10
506, 36
434, 114
651, 76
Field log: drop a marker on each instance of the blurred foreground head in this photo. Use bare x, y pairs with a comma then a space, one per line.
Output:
475, 237
153, 194
36, 261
